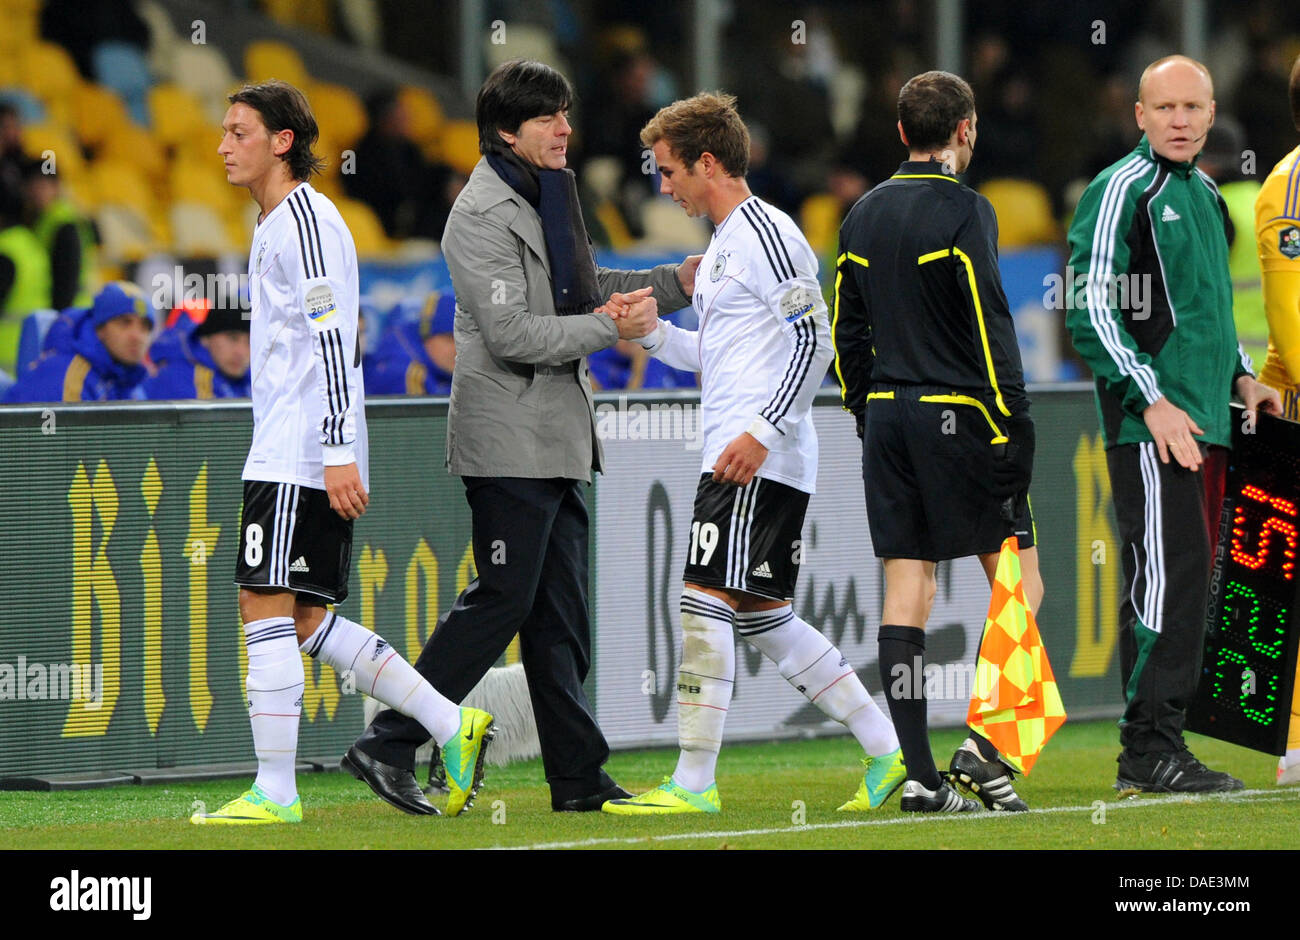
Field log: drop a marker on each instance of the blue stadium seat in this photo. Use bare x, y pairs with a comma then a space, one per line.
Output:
31, 337
122, 68
62, 332
30, 109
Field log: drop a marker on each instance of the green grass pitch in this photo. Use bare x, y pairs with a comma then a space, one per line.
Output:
775, 796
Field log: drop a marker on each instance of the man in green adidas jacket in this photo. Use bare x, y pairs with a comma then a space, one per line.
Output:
1153, 320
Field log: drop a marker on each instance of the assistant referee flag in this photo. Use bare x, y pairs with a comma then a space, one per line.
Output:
1016, 704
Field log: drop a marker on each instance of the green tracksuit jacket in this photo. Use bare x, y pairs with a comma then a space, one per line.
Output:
1151, 305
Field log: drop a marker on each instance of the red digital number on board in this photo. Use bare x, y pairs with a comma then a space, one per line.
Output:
1257, 560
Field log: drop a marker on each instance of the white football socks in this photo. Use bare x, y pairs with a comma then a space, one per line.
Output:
813, 665
274, 685
379, 671
704, 685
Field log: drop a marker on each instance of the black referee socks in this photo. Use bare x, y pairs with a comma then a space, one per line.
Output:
902, 652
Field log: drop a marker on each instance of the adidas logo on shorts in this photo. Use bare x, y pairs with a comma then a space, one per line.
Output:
300, 565
762, 571
380, 645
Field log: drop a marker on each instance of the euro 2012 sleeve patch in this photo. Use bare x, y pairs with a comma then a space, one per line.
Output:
1288, 242
798, 302
320, 303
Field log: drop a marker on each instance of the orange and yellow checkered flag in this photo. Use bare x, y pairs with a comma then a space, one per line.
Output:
1016, 704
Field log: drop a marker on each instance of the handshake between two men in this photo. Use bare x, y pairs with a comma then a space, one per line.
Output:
637, 313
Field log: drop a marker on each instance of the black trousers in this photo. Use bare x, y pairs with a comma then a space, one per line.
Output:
530, 548
1164, 515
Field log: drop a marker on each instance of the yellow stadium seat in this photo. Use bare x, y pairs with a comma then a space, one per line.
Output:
367, 232
128, 234
128, 215
245, 219
44, 140
340, 110
1024, 212
819, 217
458, 147
329, 186
316, 15
132, 144
267, 58
203, 184
176, 114
328, 150
524, 41
22, 27
121, 183
205, 71
97, 112
424, 113
80, 190
239, 233
201, 148
199, 230
49, 73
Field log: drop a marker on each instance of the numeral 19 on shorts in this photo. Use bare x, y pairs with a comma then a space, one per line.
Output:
704, 535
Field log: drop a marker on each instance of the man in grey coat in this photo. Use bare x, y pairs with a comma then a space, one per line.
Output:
522, 434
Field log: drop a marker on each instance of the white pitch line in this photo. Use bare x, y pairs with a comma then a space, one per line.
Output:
1264, 796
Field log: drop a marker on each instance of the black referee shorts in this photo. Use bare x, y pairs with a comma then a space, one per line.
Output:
927, 462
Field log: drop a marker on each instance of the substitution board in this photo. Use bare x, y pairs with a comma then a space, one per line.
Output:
1249, 662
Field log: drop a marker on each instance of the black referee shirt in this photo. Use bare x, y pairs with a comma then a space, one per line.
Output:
918, 294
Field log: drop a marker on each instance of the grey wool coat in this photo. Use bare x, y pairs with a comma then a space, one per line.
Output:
521, 401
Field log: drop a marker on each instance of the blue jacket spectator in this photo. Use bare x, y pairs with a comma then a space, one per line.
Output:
211, 359
172, 343
417, 354
105, 362
627, 366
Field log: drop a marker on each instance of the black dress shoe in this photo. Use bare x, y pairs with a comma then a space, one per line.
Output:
593, 803
393, 785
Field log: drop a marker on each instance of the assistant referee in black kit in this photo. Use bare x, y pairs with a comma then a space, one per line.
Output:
926, 355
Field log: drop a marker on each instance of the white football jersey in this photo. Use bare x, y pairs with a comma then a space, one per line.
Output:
308, 403
763, 344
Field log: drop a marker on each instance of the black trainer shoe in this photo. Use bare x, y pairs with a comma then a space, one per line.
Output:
437, 775
917, 799
1171, 772
989, 780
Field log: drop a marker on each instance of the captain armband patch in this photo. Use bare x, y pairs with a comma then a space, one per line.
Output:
798, 302
320, 303
1288, 242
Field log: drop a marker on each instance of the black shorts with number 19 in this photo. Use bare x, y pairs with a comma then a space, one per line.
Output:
290, 538
747, 538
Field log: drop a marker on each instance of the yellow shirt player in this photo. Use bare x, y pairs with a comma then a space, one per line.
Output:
1277, 237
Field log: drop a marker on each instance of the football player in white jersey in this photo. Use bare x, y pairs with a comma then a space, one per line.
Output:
762, 349
305, 480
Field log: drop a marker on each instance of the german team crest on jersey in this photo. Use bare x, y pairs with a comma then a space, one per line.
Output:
261, 251
1288, 241
719, 266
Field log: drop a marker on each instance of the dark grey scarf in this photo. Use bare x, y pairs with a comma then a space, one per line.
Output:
554, 194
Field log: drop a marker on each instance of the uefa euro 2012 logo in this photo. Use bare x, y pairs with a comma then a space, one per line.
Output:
1288, 241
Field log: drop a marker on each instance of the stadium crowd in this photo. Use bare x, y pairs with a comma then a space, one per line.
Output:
108, 111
